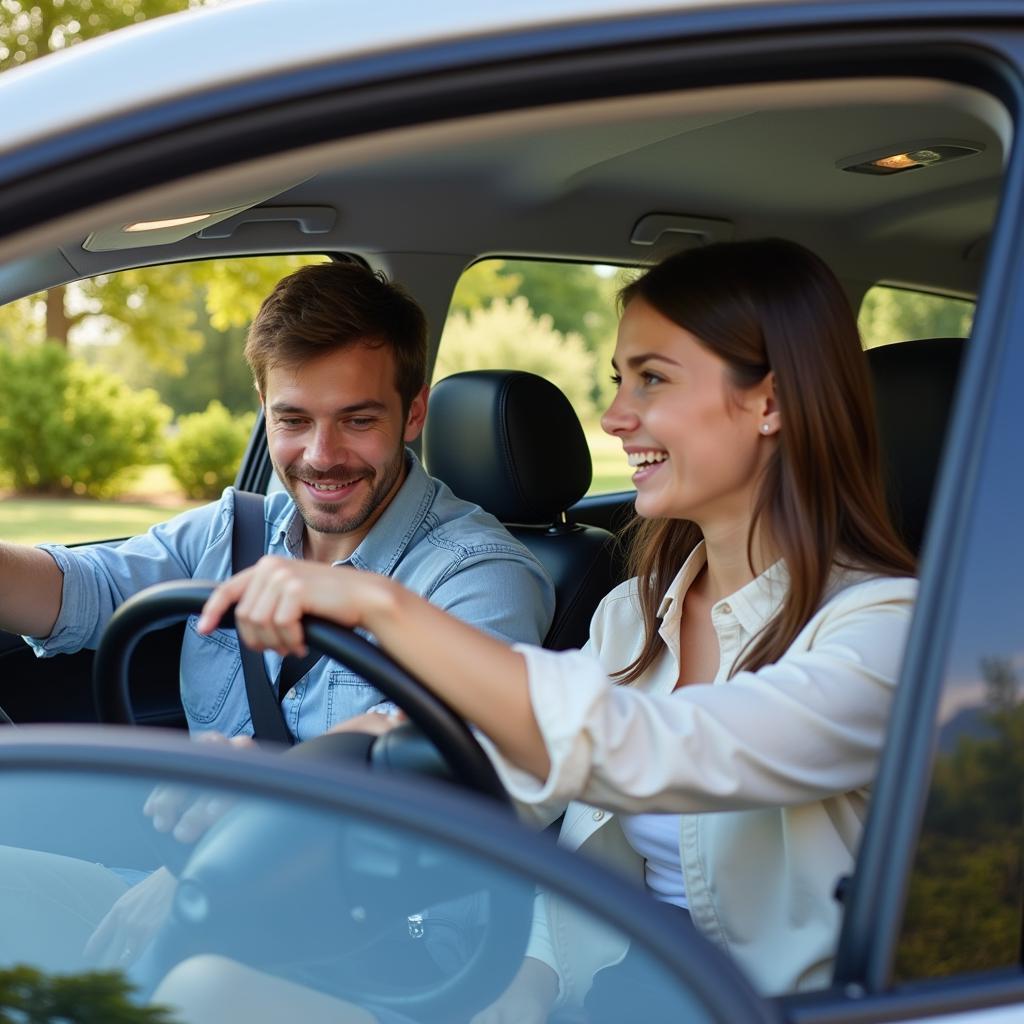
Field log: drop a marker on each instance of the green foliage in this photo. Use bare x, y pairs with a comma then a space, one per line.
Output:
507, 335
899, 314
28, 996
205, 454
67, 427
481, 284
963, 907
32, 28
574, 295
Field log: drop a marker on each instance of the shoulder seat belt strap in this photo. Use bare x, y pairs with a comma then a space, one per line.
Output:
248, 545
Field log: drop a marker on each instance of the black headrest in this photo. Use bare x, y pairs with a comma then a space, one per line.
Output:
508, 441
915, 382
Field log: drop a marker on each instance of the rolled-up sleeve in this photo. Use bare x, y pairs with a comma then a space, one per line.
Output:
809, 726
100, 577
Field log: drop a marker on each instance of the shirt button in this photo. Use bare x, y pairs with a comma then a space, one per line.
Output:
291, 694
727, 609
598, 815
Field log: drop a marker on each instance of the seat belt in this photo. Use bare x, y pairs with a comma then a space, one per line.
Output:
248, 545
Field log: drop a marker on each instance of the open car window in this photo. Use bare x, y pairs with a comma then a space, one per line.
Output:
125, 397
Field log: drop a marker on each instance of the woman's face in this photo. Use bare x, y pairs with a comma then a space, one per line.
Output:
696, 441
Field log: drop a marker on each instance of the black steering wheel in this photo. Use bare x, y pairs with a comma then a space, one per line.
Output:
233, 856
166, 603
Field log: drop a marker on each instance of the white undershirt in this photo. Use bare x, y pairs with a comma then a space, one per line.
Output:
656, 838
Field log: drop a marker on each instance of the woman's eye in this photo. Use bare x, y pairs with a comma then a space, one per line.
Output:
650, 378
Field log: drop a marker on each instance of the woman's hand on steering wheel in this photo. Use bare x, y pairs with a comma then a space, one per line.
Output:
271, 598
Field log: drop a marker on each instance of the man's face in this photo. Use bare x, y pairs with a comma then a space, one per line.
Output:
336, 435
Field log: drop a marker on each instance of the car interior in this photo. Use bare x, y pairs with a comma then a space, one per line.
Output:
890, 180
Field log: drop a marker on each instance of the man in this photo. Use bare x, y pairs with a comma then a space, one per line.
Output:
339, 360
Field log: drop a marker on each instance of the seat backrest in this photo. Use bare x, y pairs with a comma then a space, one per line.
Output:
915, 383
511, 442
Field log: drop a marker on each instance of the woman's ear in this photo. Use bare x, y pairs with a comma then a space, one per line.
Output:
767, 406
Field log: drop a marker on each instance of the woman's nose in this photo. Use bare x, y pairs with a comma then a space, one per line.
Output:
618, 418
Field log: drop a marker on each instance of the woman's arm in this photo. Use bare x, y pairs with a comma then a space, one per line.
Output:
480, 677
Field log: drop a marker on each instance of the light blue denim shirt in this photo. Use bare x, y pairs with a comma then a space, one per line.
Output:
450, 551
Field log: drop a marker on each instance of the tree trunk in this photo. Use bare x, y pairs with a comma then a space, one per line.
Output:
57, 321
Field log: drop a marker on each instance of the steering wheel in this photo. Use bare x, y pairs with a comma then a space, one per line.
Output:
235, 858
166, 603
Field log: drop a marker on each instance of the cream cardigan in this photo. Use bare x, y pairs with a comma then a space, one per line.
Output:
784, 757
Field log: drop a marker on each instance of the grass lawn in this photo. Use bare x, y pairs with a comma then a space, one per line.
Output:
152, 496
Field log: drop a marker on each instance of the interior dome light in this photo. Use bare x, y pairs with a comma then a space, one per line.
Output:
910, 159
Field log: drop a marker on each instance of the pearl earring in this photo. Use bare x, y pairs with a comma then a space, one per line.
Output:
765, 428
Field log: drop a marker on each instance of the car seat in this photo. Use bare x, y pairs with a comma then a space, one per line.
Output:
511, 442
915, 383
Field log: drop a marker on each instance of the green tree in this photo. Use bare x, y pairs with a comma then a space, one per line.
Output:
899, 314
34, 28
575, 295
481, 284
157, 320
506, 335
205, 453
963, 906
69, 428
28, 996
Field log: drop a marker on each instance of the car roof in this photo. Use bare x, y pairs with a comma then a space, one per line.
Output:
188, 52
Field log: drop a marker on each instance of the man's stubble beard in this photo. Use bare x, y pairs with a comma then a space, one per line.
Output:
379, 491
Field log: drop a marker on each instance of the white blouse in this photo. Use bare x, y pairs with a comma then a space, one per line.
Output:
784, 756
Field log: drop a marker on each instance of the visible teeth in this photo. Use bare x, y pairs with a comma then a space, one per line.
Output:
644, 458
327, 487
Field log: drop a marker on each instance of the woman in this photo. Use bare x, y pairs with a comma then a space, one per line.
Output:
756, 645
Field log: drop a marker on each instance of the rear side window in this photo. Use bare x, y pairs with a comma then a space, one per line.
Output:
888, 315
557, 320
125, 398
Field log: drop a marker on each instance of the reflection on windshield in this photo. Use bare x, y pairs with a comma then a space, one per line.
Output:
102, 911
963, 910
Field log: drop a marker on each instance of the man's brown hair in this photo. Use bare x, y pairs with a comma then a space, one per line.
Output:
328, 306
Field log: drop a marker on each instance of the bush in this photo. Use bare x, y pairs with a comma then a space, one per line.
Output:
205, 453
69, 428
506, 335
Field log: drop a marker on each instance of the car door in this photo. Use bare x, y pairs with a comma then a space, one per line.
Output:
407, 900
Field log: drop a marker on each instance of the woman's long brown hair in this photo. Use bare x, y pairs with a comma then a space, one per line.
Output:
773, 306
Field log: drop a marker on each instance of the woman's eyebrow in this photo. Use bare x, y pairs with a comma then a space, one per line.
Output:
634, 361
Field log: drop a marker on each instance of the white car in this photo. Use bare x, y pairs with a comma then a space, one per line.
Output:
422, 139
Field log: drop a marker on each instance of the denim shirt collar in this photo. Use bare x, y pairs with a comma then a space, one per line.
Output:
380, 550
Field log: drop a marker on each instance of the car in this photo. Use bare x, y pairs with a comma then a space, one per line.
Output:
424, 140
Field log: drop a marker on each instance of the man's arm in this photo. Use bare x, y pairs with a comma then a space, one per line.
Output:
30, 590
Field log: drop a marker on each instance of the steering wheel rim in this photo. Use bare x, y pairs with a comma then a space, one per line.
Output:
166, 603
